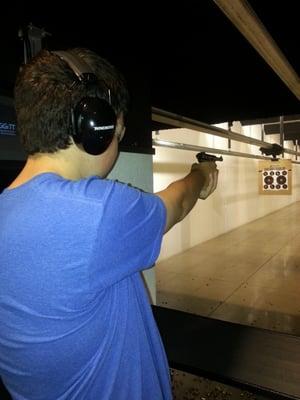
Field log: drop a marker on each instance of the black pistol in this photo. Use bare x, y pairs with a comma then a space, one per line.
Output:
201, 157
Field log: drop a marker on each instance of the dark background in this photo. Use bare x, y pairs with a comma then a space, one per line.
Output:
186, 58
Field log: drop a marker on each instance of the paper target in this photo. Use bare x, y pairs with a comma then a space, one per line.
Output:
275, 177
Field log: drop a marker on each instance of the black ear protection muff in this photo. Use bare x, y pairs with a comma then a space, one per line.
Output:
93, 120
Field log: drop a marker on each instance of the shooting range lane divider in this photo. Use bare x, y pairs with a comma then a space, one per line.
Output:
259, 360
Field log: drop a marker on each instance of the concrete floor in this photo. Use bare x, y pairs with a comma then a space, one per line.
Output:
190, 387
250, 275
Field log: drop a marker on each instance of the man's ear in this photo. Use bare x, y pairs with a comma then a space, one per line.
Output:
120, 133
120, 128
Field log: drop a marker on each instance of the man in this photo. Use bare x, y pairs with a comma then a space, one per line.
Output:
75, 319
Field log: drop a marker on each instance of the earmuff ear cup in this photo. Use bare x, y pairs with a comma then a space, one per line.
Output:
93, 123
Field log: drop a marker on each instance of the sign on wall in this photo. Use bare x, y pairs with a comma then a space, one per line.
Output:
275, 177
7, 128
7, 117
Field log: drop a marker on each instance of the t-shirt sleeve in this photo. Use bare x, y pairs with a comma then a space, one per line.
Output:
130, 233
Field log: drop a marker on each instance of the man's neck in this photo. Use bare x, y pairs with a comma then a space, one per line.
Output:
38, 164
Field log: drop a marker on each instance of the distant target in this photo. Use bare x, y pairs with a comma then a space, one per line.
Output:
275, 178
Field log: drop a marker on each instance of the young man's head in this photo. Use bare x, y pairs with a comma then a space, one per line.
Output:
46, 91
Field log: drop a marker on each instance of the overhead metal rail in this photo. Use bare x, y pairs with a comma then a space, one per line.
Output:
244, 18
182, 146
179, 121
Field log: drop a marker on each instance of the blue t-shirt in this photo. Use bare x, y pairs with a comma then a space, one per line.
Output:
75, 319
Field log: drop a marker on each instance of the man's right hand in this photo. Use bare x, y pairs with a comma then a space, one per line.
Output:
209, 173
181, 196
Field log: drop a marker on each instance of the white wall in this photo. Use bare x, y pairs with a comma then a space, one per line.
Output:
236, 200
